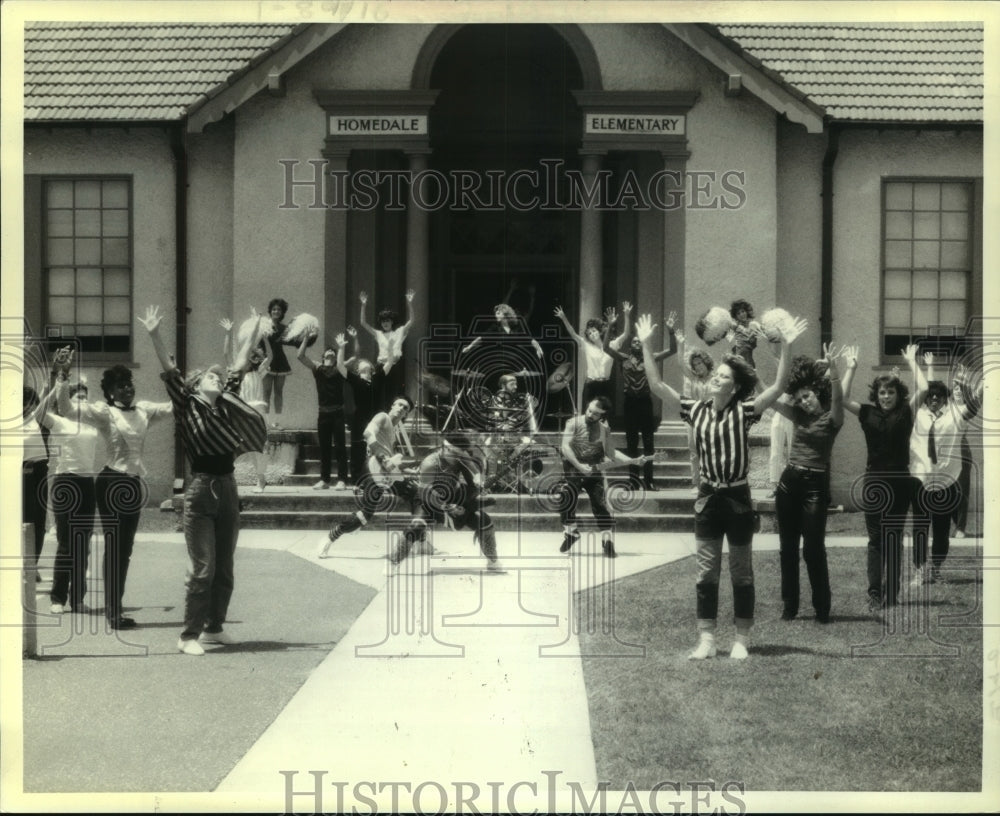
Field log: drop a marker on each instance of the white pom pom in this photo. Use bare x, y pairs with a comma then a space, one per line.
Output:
774, 322
714, 325
261, 324
301, 327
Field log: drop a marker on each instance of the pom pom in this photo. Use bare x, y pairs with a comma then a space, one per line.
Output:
258, 326
714, 325
301, 327
774, 322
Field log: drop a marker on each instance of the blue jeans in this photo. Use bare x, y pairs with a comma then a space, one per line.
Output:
801, 501
211, 527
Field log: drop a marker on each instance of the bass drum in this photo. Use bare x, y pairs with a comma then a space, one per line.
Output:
539, 467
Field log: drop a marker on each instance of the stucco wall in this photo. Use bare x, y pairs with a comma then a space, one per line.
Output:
145, 154
866, 157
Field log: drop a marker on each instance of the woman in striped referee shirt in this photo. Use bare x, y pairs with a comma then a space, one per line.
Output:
721, 424
216, 426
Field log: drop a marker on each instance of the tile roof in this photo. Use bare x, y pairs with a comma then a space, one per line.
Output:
872, 72
898, 72
136, 71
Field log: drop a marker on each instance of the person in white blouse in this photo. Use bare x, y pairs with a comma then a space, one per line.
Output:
389, 337
598, 362
72, 500
121, 489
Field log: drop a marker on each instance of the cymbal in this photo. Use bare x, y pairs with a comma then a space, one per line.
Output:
468, 373
437, 385
528, 374
560, 378
561, 415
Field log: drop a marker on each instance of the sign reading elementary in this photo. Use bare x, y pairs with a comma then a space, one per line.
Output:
633, 124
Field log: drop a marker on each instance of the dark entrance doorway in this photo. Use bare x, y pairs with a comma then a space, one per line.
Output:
504, 108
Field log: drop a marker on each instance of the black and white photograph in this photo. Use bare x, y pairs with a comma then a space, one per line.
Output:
509, 407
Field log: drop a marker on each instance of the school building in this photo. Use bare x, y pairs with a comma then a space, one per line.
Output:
832, 169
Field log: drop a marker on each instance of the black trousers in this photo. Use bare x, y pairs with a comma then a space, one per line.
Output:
120, 499
73, 503
573, 482
801, 501
330, 430
932, 511
639, 419
885, 500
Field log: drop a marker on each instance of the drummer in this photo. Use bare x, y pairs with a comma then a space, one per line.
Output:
514, 410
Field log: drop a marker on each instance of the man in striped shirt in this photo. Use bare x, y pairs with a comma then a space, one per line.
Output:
721, 425
216, 426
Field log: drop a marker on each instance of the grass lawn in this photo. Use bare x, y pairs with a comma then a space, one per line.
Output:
859, 704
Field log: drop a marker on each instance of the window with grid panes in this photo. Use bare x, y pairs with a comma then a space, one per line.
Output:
927, 258
87, 261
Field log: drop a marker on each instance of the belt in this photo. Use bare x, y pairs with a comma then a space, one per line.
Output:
720, 485
806, 469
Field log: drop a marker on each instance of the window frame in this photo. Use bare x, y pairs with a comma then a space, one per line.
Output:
973, 287
45, 267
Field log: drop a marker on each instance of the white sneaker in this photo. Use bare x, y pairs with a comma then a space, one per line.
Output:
494, 566
56, 609
959, 534
739, 651
321, 485
222, 638
704, 649
340, 485
323, 546
190, 647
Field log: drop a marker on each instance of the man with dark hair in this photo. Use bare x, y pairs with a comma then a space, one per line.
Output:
384, 473
330, 376
448, 494
586, 450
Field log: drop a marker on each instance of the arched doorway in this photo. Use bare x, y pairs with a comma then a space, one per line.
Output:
505, 111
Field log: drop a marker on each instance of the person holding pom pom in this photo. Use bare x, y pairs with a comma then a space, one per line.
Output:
389, 337
274, 380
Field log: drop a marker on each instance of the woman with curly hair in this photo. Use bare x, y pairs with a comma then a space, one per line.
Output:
723, 509
814, 404
887, 422
273, 379
745, 330
389, 337
598, 362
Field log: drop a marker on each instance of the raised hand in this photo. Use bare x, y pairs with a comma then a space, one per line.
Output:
626, 308
679, 336
558, 312
151, 321
62, 359
644, 327
341, 340
410, 294
669, 322
910, 354
610, 315
791, 331
352, 331
850, 353
928, 358
226, 323
363, 297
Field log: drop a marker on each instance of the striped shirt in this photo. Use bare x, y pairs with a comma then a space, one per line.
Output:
214, 435
722, 438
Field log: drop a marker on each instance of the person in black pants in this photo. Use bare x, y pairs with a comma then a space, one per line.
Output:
638, 407
330, 376
886, 421
34, 471
360, 379
815, 406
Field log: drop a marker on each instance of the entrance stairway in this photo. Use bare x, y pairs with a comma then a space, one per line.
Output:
522, 497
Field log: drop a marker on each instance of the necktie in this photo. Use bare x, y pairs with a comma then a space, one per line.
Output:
931, 450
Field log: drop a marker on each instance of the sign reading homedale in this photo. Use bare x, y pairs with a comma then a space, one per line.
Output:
392, 125
633, 124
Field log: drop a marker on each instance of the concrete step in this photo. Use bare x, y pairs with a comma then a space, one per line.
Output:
308, 470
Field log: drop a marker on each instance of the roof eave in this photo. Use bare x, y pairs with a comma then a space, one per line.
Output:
762, 83
241, 86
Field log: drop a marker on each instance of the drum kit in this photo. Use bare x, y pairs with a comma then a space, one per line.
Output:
513, 462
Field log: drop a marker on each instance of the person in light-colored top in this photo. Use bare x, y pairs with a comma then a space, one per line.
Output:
697, 365
597, 360
388, 377
72, 496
